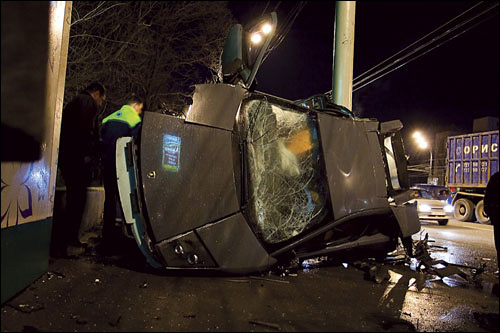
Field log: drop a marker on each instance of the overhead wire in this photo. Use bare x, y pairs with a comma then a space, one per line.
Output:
420, 48
285, 27
265, 8
434, 40
277, 5
356, 87
417, 41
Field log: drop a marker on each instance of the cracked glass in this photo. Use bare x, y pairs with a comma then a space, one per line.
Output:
285, 183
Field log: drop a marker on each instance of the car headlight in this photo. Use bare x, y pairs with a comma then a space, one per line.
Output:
448, 208
424, 208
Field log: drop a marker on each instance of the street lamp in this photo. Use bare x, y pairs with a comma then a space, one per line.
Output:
257, 37
422, 144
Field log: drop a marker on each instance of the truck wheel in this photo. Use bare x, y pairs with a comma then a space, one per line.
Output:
480, 214
463, 210
443, 222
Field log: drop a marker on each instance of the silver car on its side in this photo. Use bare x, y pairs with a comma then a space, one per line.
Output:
431, 208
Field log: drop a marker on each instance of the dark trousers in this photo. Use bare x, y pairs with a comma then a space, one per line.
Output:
111, 200
77, 178
496, 229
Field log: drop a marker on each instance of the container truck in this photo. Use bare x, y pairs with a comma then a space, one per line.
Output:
471, 160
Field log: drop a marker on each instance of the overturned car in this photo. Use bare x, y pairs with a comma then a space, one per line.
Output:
247, 179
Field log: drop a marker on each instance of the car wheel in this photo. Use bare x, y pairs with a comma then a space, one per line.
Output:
463, 210
480, 214
443, 222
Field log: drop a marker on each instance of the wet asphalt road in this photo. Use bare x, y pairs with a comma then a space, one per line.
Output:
122, 294
466, 243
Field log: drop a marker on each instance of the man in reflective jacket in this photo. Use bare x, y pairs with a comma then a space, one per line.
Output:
124, 122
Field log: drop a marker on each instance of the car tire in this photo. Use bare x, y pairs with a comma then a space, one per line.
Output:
443, 222
463, 210
481, 216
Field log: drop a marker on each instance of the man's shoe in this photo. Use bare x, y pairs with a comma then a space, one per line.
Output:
76, 248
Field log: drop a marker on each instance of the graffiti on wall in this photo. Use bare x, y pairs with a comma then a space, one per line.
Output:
24, 190
27, 189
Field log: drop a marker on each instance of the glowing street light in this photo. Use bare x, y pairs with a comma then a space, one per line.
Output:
266, 28
256, 38
422, 144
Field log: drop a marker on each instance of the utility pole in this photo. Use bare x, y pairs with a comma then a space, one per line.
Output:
343, 53
430, 167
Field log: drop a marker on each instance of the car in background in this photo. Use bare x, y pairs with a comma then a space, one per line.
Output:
439, 192
431, 208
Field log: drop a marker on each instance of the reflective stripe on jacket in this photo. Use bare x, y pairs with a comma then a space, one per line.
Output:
126, 114
124, 122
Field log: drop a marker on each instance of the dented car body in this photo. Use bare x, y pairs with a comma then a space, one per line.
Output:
248, 179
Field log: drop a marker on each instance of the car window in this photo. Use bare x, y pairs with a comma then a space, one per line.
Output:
425, 195
286, 187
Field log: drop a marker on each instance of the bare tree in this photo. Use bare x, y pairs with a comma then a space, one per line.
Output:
155, 49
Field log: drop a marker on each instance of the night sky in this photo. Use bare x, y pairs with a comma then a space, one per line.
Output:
443, 90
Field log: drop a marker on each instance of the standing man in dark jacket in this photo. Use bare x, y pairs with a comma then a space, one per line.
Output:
124, 122
492, 207
74, 154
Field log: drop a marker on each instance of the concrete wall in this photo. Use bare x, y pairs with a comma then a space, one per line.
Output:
28, 187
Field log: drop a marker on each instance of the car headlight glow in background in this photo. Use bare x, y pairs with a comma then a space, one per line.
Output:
424, 208
448, 208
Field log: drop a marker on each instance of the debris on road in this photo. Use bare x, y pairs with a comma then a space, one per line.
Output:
50, 275
116, 322
81, 321
26, 308
268, 279
379, 273
442, 268
238, 280
265, 324
422, 263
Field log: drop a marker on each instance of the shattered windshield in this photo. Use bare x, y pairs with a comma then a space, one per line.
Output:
285, 183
